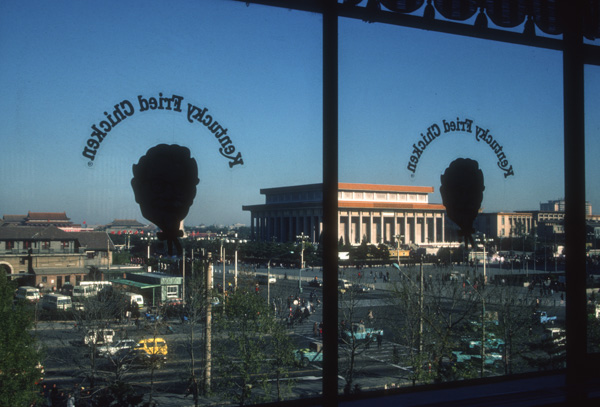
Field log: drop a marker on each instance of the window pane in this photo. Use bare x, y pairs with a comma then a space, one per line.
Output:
89, 90
411, 103
592, 149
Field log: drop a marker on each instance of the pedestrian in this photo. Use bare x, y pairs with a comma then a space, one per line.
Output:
316, 329
54, 395
379, 340
70, 400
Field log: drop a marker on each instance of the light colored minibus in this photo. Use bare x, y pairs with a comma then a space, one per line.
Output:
28, 293
56, 302
84, 291
135, 297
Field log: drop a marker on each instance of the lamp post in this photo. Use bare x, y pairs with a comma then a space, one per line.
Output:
183, 273
149, 239
302, 237
484, 261
220, 236
398, 237
236, 241
269, 282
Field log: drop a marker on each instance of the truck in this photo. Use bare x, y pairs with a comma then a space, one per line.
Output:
464, 357
314, 353
492, 344
359, 332
543, 318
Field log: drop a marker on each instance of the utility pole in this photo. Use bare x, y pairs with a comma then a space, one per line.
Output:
208, 328
302, 237
398, 237
269, 283
484, 261
421, 309
482, 333
183, 285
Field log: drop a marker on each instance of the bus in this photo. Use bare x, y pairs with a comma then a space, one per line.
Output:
56, 302
31, 294
98, 285
84, 291
131, 297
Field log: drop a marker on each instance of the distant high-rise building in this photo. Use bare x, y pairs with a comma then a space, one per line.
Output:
559, 206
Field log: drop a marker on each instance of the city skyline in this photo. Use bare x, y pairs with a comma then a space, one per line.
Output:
410, 102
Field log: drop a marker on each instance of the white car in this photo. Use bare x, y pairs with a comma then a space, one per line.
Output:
109, 350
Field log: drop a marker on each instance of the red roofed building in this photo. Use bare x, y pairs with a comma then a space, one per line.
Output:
47, 218
58, 219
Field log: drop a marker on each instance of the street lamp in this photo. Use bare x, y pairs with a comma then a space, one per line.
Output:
484, 261
302, 237
236, 241
269, 282
398, 237
149, 239
220, 236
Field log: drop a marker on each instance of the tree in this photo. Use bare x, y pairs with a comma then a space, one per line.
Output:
97, 314
352, 346
250, 335
282, 358
195, 311
435, 309
19, 354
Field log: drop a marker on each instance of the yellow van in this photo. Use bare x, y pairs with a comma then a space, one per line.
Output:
153, 346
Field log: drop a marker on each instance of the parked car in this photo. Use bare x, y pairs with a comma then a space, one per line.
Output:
315, 282
343, 285
153, 346
491, 344
314, 353
359, 332
128, 357
114, 348
151, 350
99, 337
26, 293
263, 279
543, 318
173, 302
360, 288
463, 357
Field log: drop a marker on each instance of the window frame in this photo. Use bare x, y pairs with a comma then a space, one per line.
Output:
576, 54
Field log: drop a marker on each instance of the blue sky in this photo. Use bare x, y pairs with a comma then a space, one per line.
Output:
258, 71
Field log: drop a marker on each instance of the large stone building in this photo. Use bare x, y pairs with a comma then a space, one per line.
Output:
48, 257
366, 212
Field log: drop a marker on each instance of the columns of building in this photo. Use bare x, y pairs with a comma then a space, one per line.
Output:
412, 226
360, 226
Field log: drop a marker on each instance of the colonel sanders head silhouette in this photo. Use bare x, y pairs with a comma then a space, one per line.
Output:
462, 192
164, 184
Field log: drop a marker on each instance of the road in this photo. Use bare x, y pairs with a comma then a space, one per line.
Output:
376, 366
